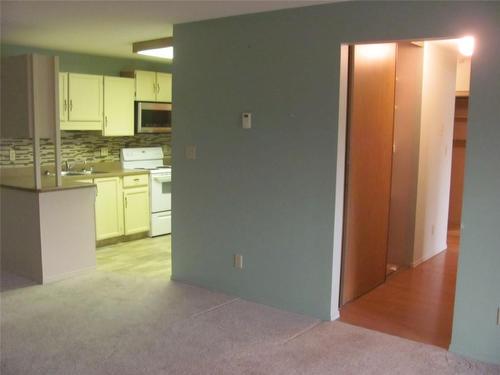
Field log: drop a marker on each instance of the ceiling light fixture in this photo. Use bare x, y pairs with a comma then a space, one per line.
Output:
163, 48
466, 45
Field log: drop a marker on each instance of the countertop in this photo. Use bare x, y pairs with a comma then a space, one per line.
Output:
22, 178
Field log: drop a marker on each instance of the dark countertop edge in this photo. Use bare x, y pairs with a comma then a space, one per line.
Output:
104, 174
48, 189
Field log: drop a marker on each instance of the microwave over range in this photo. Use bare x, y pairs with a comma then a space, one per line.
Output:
153, 117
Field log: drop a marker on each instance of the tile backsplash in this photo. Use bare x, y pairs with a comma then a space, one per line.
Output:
78, 147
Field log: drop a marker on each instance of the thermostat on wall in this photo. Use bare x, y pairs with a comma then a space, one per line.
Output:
246, 120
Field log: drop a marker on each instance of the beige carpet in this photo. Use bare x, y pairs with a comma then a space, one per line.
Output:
108, 323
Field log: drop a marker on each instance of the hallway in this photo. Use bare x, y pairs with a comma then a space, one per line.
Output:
414, 303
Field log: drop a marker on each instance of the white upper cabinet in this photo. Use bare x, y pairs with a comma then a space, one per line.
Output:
118, 106
151, 86
85, 97
63, 96
81, 101
145, 86
163, 87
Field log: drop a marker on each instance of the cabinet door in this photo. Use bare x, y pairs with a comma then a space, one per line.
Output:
108, 208
136, 203
63, 96
118, 106
85, 97
163, 87
145, 86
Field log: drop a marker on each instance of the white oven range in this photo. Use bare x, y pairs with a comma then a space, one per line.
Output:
160, 185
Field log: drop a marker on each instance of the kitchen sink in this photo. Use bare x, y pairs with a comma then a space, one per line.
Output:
79, 173
75, 173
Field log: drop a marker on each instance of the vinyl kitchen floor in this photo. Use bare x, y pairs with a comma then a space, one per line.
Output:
149, 257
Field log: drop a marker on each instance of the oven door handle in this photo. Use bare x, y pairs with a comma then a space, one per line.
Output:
163, 179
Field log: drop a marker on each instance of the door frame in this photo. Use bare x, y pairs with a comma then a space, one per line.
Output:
341, 172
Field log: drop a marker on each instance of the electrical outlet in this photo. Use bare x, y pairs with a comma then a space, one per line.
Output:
12, 154
104, 151
238, 261
191, 152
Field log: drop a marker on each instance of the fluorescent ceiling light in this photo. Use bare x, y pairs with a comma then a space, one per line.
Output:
165, 52
466, 45
163, 48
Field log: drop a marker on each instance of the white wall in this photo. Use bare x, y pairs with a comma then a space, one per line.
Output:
67, 228
436, 142
20, 233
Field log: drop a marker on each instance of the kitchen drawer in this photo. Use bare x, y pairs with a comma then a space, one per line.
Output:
137, 180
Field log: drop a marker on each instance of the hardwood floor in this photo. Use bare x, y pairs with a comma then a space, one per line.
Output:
148, 257
414, 303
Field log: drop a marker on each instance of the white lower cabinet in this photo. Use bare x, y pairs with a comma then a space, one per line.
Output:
108, 207
121, 207
136, 208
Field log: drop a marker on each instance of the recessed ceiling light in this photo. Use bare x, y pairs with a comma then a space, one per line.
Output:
162, 48
165, 52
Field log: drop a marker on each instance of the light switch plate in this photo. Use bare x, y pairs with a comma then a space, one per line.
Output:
191, 152
238, 261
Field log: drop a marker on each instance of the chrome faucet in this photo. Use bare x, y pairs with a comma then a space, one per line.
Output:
67, 165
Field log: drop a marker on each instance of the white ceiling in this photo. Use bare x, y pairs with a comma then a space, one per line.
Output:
110, 27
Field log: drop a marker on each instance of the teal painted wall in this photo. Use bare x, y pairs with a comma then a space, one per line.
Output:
89, 64
268, 192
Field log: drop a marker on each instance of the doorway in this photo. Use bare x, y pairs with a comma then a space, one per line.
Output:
403, 187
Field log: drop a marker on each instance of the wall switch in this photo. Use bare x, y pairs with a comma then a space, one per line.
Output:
238, 261
191, 152
104, 151
12, 154
246, 120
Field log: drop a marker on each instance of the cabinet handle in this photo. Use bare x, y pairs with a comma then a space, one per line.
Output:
65, 105
158, 85
126, 202
71, 105
136, 179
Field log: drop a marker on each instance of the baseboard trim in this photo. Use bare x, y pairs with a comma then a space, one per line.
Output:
335, 315
67, 275
417, 262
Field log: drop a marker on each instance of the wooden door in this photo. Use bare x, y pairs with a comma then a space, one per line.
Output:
164, 87
137, 215
369, 164
145, 86
108, 208
63, 96
458, 163
118, 106
85, 97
